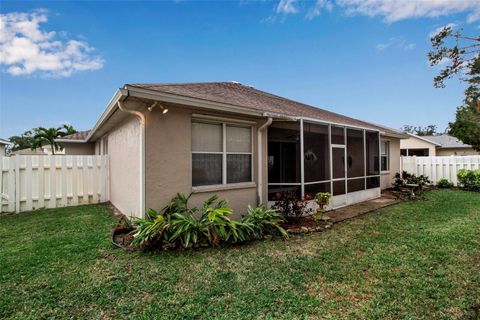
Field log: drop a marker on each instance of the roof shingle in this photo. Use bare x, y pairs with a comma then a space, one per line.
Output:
447, 141
234, 93
80, 135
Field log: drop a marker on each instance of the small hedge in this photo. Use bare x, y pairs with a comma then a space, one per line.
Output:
469, 179
444, 183
179, 225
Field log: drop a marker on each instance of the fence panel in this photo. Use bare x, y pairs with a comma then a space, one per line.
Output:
436, 168
29, 182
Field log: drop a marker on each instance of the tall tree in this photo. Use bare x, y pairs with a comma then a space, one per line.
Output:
68, 129
429, 130
23, 141
47, 136
38, 137
459, 55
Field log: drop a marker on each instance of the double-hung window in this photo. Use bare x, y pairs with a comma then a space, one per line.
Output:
384, 155
221, 153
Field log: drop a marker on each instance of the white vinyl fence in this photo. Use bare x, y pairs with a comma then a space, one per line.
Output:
436, 168
29, 182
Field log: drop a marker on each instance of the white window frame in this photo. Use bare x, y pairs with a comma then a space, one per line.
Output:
386, 154
224, 153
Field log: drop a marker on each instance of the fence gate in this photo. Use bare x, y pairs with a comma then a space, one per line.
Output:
436, 168
29, 182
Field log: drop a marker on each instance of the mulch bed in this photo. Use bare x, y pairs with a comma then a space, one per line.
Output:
306, 225
122, 237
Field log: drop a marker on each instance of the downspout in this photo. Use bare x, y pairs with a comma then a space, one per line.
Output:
141, 116
259, 157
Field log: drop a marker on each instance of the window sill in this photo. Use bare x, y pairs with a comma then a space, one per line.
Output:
224, 187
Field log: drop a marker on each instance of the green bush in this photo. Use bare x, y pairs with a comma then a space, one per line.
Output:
263, 221
444, 183
182, 226
404, 178
469, 179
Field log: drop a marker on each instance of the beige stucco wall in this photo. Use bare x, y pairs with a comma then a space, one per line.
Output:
124, 154
386, 178
456, 152
168, 162
78, 148
416, 143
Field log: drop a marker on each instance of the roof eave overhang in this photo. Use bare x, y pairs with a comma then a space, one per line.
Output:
142, 93
394, 135
194, 102
423, 139
130, 91
71, 140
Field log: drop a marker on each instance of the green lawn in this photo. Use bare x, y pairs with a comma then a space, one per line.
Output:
417, 260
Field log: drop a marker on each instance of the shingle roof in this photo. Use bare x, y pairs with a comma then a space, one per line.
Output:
4, 142
80, 135
234, 93
447, 141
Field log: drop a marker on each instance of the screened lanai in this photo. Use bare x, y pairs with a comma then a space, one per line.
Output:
338, 159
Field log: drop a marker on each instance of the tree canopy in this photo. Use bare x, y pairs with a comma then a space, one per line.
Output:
459, 55
40, 136
429, 130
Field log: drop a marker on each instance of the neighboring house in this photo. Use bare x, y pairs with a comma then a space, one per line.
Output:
237, 142
30, 152
440, 145
451, 146
418, 146
75, 144
3, 147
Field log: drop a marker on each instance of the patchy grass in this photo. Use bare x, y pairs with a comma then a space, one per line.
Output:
417, 260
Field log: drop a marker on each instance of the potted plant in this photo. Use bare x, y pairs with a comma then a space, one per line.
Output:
322, 199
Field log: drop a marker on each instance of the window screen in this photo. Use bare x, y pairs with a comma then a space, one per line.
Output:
209, 153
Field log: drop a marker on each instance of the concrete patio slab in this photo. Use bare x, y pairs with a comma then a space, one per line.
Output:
358, 209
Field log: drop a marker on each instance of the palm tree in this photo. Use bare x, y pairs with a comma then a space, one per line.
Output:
68, 129
47, 136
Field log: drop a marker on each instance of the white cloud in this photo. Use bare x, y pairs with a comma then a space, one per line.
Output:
27, 49
395, 42
396, 10
287, 7
318, 7
390, 10
436, 31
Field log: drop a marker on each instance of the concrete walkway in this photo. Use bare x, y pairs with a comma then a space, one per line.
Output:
361, 208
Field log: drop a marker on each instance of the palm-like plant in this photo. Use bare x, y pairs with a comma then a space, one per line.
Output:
47, 136
68, 129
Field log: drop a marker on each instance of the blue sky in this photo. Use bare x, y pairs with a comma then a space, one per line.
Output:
366, 62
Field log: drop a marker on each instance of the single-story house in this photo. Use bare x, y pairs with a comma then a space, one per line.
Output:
438, 145
3, 147
240, 143
451, 146
73, 144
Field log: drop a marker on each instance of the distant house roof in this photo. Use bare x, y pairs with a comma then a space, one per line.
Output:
4, 142
423, 138
235, 93
79, 136
28, 151
446, 141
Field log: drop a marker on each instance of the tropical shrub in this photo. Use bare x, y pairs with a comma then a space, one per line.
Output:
291, 206
152, 230
444, 183
210, 225
405, 178
261, 221
469, 179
